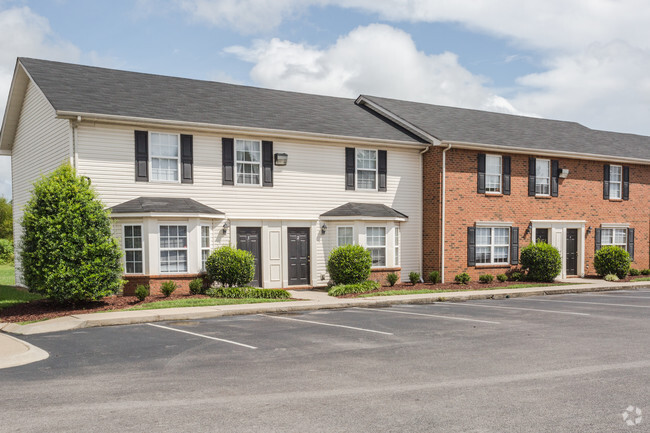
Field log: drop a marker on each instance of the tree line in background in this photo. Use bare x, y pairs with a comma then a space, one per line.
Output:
6, 231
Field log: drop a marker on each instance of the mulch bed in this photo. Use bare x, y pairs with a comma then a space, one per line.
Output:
45, 309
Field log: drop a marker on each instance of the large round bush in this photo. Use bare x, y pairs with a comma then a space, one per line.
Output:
230, 267
349, 264
67, 250
541, 261
612, 260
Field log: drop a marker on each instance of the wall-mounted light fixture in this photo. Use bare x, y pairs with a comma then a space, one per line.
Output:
589, 229
564, 173
529, 229
281, 159
226, 225
323, 228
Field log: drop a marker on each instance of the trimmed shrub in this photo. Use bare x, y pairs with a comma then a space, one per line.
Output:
349, 264
634, 272
611, 277
6, 251
502, 278
414, 277
645, 272
612, 260
344, 289
462, 278
141, 292
434, 277
541, 261
515, 276
196, 287
392, 279
167, 288
486, 278
67, 251
230, 267
247, 292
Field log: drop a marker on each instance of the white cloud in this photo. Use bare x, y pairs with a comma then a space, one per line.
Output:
376, 59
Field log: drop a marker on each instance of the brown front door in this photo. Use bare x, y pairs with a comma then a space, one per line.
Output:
248, 239
572, 251
298, 256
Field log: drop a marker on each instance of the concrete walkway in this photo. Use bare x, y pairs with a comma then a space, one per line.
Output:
11, 349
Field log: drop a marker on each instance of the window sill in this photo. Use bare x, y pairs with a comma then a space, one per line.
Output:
495, 266
493, 194
615, 199
543, 197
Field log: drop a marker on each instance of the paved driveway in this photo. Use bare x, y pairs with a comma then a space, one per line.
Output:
542, 364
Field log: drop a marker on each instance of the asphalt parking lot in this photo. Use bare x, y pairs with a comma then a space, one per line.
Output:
540, 364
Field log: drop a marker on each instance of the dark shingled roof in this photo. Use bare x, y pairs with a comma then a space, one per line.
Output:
95, 90
483, 127
164, 205
364, 210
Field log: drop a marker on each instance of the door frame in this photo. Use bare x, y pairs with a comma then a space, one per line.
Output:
309, 249
557, 237
258, 266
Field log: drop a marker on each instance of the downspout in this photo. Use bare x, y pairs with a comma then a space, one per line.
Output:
442, 222
422, 211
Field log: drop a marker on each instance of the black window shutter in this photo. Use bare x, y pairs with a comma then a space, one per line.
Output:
597, 235
630, 243
626, 183
187, 158
267, 163
532, 175
555, 174
505, 179
381, 169
471, 246
141, 156
350, 155
514, 245
481, 173
606, 182
227, 161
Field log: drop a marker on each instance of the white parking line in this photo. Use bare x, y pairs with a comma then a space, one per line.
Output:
203, 336
611, 296
592, 303
327, 324
466, 304
430, 315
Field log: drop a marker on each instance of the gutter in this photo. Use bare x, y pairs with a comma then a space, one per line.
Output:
442, 222
421, 211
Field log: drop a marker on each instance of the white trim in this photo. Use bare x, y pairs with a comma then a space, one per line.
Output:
500, 224
259, 163
558, 222
360, 218
548, 162
614, 225
187, 247
356, 170
557, 238
134, 249
167, 215
338, 244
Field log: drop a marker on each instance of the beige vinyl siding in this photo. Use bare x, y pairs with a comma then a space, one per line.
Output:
42, 143
312, 183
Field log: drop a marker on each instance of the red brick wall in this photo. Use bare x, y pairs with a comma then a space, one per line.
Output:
580, 198
379, 274
154, 281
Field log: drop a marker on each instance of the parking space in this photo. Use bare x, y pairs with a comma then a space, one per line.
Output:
407, 367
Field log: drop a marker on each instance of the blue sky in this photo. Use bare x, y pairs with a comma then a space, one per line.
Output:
562, 59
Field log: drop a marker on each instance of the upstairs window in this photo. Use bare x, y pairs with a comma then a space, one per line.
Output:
248, 159
366, 169
543, 177
164, 157
376, 244
615, 181
493, 173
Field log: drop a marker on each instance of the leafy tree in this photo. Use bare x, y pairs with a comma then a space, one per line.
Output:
6, 220
67, 251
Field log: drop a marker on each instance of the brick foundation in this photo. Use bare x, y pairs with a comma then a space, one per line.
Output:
155, 281
379, 274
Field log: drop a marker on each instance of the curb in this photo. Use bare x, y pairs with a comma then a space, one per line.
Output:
19, 352
193, 313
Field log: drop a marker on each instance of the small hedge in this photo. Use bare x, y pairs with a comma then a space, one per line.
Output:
196, 287
634, 272
502, 278
141, 292
344, 289
247, 292
515, 276
167, 288
6, 251
645, 272
486, 278
612, 260
541, 261
414, 277
230, 267
392, 279
462, 278
434, 277
349, 264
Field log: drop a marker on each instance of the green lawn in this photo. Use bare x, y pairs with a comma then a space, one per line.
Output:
9, 295
642, 279
202, 302
421, 291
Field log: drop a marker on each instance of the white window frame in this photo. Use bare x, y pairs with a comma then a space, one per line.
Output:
492, 245
537, 177
375, 170
397, 245
141, 249
186, 249
500, 174
237, 162
618, 182
338, 235
614, 243
377, 247
202, 248
151, 158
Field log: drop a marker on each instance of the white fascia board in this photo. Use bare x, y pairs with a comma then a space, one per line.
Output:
12, 110
305, 137
494, 223
165, 215
361, 218
558, 221
545, 152
614, 225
